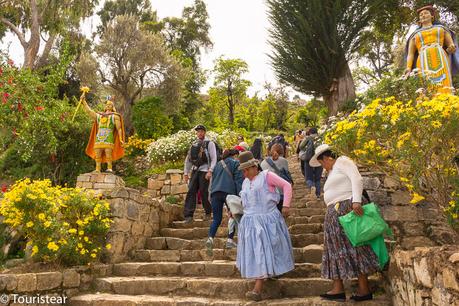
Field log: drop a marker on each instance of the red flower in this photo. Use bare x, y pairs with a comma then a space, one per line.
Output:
5, 97
20, 108
4, 188
1, 71
10, 80
39, 108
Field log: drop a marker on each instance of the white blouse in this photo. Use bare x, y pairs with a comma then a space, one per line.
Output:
344, 182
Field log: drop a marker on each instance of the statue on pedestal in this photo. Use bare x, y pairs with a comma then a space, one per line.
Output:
432, 50
107, 134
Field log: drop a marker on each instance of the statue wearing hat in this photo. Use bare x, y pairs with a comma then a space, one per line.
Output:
107, 134
432, 49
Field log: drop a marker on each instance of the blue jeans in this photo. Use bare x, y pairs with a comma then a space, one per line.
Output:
217, 200
313, 176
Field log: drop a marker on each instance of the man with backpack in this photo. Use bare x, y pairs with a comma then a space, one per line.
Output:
200, 161
312, 174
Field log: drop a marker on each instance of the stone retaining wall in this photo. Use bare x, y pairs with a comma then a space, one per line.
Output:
136, 216
417, 225
425, 276
169, 184
68, 282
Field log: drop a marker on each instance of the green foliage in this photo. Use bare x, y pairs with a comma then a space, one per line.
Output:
162, 168
172, 200
54, 150
64, 225
149, 119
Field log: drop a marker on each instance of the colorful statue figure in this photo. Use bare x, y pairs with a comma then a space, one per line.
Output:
432, 50
107, 135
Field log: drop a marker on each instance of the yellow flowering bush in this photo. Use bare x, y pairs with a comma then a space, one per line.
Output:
136, 146
66, 225
415, 140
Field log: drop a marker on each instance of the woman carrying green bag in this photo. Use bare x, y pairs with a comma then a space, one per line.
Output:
340, 259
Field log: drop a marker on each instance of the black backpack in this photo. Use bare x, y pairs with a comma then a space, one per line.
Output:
199, 155
310, 149
277, 139
283, 173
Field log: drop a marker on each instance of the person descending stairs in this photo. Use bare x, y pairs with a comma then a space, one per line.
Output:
175, 269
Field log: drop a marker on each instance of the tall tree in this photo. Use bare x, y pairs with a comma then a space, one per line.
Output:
281, 101
229, 82
42, 18
121, 62
313, 42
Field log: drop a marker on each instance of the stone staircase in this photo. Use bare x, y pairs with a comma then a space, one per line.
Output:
174, 268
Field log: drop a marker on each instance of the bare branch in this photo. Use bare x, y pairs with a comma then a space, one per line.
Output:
16, 30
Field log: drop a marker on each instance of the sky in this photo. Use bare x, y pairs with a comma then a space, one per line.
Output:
239, 29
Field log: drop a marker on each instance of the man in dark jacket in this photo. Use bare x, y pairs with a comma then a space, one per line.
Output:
226, 179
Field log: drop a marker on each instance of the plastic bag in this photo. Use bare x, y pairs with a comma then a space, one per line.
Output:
368, 229
234, 204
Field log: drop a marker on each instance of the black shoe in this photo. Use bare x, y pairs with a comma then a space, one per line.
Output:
359, 298
339, 297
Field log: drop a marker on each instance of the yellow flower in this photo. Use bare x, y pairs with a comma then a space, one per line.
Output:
52, 246
108, 246
29, 224
416, 198
93, 255
34, 250
81, 233
436, 124
47, 224
80, 245
79, 222
86, 238
72, 231
82, 251
41, 216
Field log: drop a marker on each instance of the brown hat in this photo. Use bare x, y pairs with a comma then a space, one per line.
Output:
246, 159
427, 7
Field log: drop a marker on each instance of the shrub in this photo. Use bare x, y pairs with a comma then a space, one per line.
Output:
172, 200
416, 140
149, 119
65, 225
136, 146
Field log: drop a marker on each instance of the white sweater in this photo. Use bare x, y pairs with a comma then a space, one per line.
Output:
344, 182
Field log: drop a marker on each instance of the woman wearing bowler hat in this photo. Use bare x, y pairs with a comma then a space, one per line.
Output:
264, 247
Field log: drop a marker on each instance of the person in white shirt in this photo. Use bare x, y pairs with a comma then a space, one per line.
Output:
343, 194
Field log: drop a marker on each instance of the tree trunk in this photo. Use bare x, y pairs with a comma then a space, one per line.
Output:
341, 91
126, 111
33, 45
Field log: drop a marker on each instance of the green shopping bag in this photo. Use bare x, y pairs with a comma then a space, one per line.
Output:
367, 229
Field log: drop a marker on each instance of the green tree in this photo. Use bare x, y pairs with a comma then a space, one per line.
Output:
149, 119
45, 18
121, 62
313, 42
230, 83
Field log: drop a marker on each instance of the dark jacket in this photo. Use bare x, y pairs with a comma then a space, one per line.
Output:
221, 180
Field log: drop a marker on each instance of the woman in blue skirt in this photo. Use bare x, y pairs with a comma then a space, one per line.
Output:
264, 247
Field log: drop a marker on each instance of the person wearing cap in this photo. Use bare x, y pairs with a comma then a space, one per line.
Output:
313, 175
264, 245
226, 179
200, 176
343, 194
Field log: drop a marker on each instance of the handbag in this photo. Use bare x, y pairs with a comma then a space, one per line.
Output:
234, 204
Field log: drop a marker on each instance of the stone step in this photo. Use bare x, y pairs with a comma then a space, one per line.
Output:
220, 268
203, 232
107, 299
308, 254
290, 220
305, 229
174, 243
210, 286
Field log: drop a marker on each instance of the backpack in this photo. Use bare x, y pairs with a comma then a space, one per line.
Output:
308, 151
277, 139
199, 155
283, 173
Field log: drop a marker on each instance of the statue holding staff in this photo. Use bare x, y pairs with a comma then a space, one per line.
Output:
107, 134
432, 50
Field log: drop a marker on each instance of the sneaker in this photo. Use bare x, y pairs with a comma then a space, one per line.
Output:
188, 220
231, 245
313, 190
210, 246
206, 217
254, 296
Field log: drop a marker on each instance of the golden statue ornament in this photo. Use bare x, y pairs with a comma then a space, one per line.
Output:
107, 134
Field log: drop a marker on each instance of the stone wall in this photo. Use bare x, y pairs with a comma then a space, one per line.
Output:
169, 184
68, 282
425, 276
136, 216
417, 225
